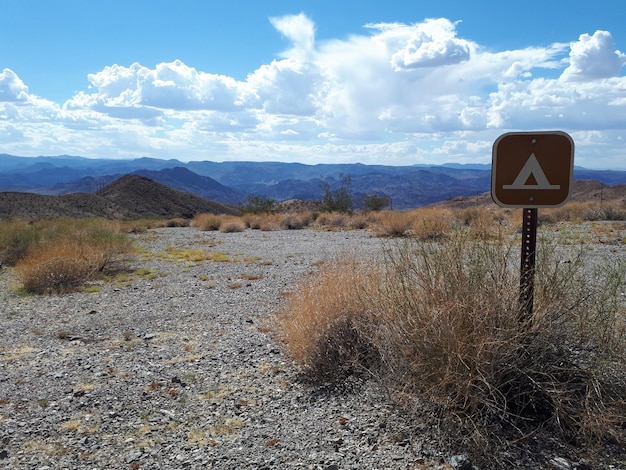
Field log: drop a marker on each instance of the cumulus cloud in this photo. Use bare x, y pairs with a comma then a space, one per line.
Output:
170, 85
12, 89
300, 30
594, 57
429, 44
420, 88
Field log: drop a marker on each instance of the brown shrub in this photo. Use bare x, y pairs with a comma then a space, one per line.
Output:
295, 220
71, 252
432, 223
270, 222
252, 221
393, 223
54, 270
206, 222
332, 220
441, 320
321, 328
231, 224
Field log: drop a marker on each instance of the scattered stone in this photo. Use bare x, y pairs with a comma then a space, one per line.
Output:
215, 390
559, 463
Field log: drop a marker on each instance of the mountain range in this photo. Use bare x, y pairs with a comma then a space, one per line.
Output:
232, 182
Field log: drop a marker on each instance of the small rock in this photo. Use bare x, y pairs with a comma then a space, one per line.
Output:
4, 454
461, 462
560, 463
149, 336
134, 456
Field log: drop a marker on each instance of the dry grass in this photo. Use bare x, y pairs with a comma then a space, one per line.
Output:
295, 220
440, 321
333, 220
393, 223
16, 239
67, 253
320, 326
206, 222
231, 224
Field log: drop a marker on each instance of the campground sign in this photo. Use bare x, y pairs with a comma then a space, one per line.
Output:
532, 169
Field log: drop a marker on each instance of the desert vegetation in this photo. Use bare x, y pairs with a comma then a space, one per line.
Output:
436, 319
60, 255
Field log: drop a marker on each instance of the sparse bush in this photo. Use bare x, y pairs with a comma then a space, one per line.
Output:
482, 222
432, 223
252, 221
340, 199
375, 202
232, 224
259, 205
177, 222
332, 220
295, 221
16, 239
54, 270
393, 223
207, 222
270, 223
359, 221
323, 326
440, 320
71, 252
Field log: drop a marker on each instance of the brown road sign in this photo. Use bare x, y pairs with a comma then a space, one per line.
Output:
532, 169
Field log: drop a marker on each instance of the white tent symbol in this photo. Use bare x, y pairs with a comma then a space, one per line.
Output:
531, 168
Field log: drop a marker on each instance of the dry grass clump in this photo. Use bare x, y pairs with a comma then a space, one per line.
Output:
70, 252
252, 221
441, 321
393, 223
270, 222
333, 220
206, 222
485, 222
296, 220
575, 211
16, 239
231, 224
322, 328
430, 223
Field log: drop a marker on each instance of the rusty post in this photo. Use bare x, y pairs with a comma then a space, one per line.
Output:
527, 271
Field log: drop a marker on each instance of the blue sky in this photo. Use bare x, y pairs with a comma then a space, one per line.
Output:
317, 81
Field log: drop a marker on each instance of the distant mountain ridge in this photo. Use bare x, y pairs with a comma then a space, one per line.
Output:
129, 197
233, 182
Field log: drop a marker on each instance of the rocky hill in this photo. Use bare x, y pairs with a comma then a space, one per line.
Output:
129, 197
582, 191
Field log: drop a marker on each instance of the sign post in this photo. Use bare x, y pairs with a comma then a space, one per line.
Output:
530, 170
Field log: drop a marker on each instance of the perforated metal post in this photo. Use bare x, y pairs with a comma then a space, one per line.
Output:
527, 271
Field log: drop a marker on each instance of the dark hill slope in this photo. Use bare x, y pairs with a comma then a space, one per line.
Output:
32, 206
129, 197
143, 196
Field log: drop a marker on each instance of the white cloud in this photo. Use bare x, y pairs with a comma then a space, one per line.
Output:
12, 89
429, 44
300, 30
594, 57
401, 93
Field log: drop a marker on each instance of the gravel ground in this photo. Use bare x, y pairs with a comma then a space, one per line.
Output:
176, 368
